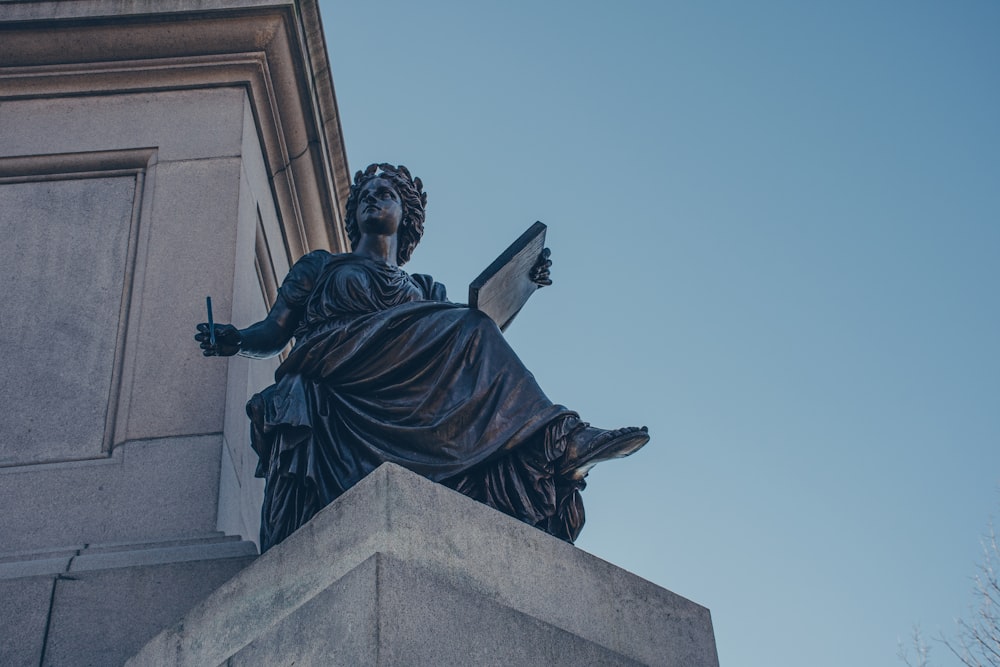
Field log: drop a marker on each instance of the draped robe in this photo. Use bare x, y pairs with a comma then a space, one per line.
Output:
384, 368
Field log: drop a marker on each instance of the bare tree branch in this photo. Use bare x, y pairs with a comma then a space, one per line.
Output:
977, 638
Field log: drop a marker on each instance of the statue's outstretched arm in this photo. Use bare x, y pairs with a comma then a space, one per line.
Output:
259, 341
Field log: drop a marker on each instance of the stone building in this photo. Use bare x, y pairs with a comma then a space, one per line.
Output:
152, 153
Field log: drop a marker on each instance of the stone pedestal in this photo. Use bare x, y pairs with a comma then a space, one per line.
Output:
403, 571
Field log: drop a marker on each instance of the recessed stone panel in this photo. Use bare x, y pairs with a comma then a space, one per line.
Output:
63, 264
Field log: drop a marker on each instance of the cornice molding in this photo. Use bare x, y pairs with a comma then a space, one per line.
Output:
274, 50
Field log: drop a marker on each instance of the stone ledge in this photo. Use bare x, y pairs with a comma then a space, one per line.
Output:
214, 546
181, 554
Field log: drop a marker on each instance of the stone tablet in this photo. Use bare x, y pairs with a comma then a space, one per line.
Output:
504, 287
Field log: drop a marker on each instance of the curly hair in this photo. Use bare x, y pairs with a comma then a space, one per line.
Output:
411, 195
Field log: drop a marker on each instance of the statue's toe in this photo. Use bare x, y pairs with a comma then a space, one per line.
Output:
590, 446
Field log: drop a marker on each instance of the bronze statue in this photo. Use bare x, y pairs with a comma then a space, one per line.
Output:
385, 368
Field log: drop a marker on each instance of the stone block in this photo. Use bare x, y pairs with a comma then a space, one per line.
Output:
386, 611
154, 489
467, 627
110, 603
312, 635
25, 608
96, 604
494, 575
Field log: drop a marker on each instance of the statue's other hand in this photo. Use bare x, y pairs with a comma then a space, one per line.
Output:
540, 271
227, 340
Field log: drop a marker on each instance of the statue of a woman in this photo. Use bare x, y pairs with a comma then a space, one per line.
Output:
385, 368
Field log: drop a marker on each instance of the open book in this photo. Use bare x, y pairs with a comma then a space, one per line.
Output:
504, 287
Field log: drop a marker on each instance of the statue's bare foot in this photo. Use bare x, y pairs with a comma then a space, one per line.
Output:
589, 446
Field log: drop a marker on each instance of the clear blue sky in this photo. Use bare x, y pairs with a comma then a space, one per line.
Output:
776, 234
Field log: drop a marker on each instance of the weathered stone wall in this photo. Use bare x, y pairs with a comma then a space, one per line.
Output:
151, 153
115, 239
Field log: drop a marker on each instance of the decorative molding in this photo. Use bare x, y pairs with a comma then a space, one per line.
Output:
75, 165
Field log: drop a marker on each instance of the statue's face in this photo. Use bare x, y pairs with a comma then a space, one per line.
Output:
380, 210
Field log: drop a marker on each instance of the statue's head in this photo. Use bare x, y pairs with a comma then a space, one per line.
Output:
411, 195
